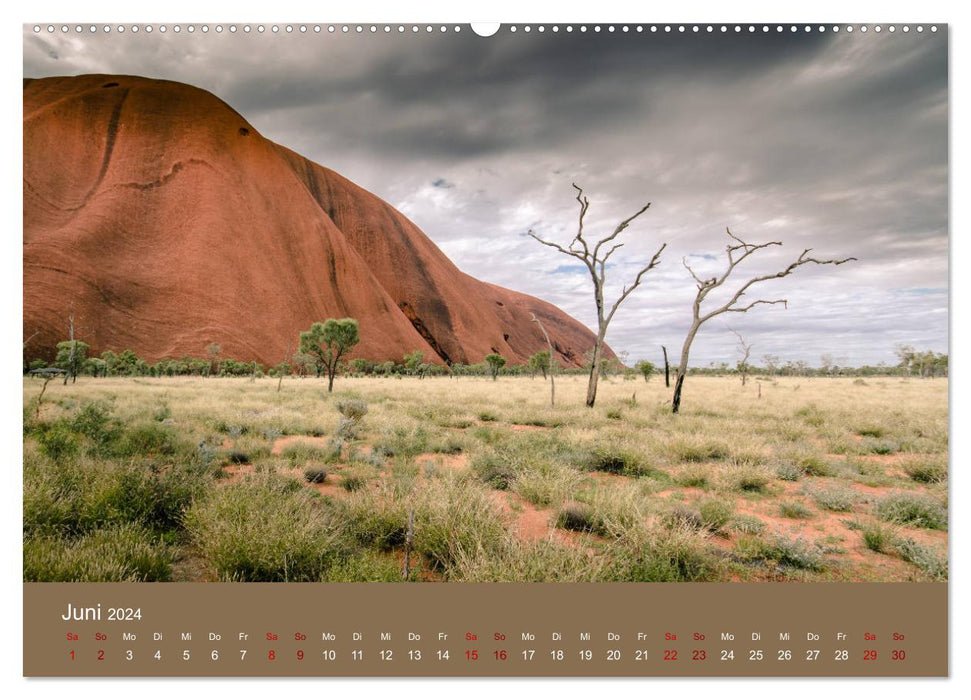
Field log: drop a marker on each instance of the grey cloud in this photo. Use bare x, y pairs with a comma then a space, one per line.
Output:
834, 142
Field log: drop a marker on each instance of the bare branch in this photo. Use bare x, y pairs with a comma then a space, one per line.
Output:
743, 309
596, 263
736, 252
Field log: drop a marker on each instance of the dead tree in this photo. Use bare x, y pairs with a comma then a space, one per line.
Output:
737, 251
667, 369
745, 349
550, 346
595, 260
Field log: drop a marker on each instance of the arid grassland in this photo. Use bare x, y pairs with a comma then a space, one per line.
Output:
227, 479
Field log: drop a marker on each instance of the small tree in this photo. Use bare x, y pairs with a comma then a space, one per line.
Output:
540, 362
745, 350
595, 260
71, 355
212, 352
412, 361
496, 362
737, 251
327, 342
549, 359
646, 368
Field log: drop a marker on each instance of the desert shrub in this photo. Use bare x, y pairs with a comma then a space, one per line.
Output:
352, 409
812, 415
148, 439
546, 483
692, 476
877, 537
834, 498
377, 519
539, 562
455, 518
698, 450
612, 461
748, 524
304, 452
809, 463
614, 414
399, 441
796, 553
125, 552
911, 509
447, 445
682, 516
363, 567
871, 430
264, 528
94, 421
237, 457
353, 482
787, 471
881, 447
315, 475
488, 416
59, 442
923, 557
161, 413
794, 509
575, 516
715, 514
926, 470
646, 554
494, 470
70, 500
749, 479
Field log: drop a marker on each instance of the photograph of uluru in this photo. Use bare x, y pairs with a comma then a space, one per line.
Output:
406, 303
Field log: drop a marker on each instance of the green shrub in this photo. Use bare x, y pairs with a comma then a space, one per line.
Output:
794, 509
681, 516
715, 514
686, 450
402, 442
613, 461
455, 518
926, 470
787, 471
911, 509
352, 409
876, 537
881, 447
796, 553
148, 439
94, 421
488, 416
660, 555
59, 442
494, 470
692, 476
751, 479
748, 524
353, 482
923, 557
124, 552
575, 516
834, 498
263, 528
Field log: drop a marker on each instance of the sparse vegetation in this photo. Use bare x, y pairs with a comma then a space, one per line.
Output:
125, 478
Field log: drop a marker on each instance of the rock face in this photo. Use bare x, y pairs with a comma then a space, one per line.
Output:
163, 221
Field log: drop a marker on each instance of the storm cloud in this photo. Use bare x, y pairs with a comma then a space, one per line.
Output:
832, 141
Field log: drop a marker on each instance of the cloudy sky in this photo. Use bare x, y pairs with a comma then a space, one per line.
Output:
833, 141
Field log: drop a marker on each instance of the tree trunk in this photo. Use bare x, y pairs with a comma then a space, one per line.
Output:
676, 403
667, 368
330, 381
594, 374
683, 366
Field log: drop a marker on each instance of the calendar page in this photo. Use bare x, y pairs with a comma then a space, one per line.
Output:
513, 350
